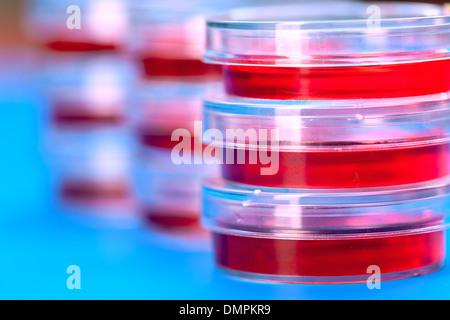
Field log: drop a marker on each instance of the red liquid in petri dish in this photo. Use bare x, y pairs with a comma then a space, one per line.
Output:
74, 114
179, 67
163, 140
423, 252
167, 220
158, 139
351, 168
80, 46
353, 82
90, 190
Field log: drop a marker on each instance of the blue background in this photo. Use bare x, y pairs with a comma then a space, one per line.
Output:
38, 244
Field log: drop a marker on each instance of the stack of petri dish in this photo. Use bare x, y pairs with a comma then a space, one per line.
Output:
333, 135
85, 78
167, 45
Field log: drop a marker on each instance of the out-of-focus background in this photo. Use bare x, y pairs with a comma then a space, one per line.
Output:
11, 32
38, 242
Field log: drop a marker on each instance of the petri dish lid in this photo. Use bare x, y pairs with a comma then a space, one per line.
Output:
236, 209
329, 33
374, 123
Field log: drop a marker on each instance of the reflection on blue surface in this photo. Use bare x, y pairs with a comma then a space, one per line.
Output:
38, 244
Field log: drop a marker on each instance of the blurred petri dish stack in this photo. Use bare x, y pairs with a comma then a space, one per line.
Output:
85, 77
333, 138
167, 45
168, 187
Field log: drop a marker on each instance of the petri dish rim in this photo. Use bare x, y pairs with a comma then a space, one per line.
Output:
225, 21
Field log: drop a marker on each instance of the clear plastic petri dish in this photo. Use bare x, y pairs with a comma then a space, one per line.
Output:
160, 108
83, 26
87, 91
169, 195
332, 50
329, 144
168, 39
327, 236
92, 177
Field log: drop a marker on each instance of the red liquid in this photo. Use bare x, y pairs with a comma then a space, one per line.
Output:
80, 46
73, 114
85, 190
164, 219
388, 81
163, 140
347, 168
155, 66
329, 258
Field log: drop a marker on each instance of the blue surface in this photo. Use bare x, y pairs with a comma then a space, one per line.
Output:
38, 244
